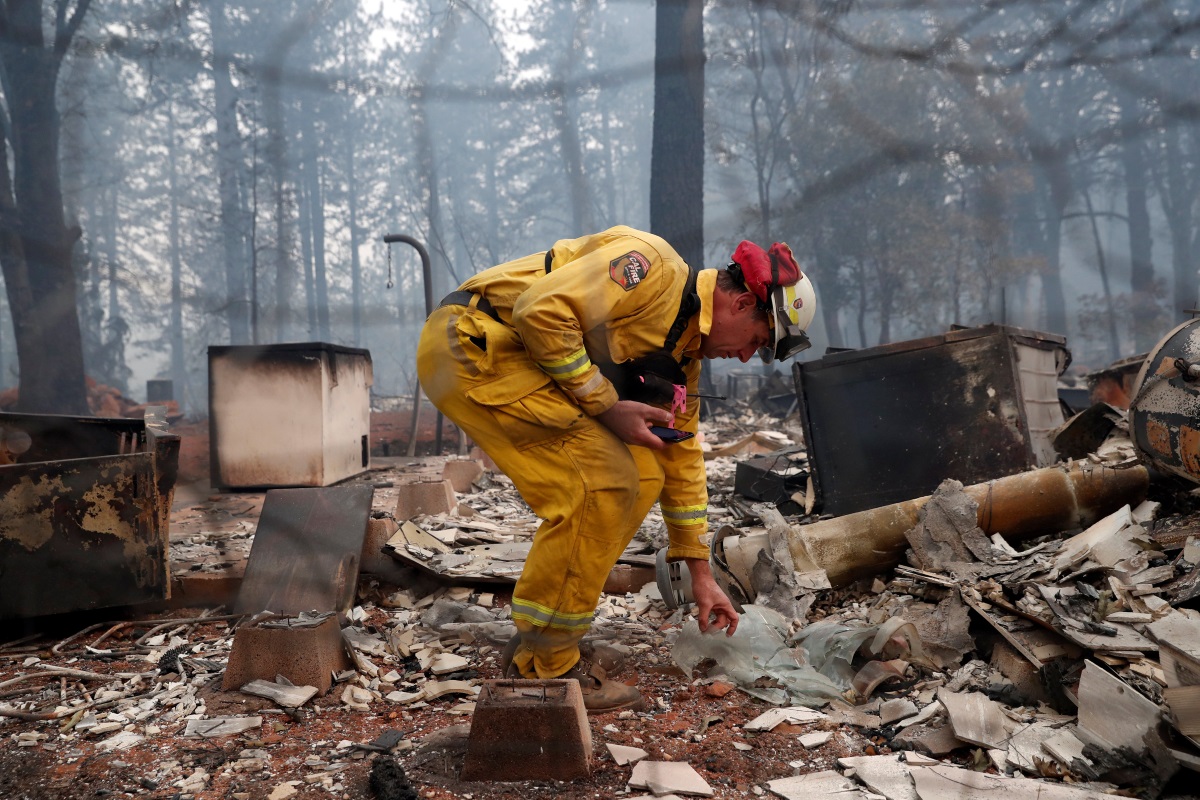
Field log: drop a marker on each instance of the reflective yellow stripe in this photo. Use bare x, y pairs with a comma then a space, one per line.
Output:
685, 515
544, 616
564, 368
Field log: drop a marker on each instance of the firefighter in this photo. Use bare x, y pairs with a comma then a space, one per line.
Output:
557, 365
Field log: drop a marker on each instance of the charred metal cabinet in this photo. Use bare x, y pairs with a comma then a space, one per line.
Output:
288, 414
887, 424
85, 505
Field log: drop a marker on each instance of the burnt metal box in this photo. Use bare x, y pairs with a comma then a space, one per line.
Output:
288, 414
889, 423
774, 477
85, 506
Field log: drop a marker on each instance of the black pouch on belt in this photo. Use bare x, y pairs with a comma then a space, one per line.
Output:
649, 379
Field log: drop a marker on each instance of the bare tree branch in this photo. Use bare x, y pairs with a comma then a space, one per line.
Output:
65, 29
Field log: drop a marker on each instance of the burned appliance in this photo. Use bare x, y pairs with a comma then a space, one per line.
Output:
288, 414
85, 506
890, 423
1164, 411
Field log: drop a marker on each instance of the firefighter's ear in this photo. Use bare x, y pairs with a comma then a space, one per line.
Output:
744, 301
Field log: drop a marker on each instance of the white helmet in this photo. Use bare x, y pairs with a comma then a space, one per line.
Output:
792, 310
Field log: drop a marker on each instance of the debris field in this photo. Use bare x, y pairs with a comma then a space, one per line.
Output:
1065, 665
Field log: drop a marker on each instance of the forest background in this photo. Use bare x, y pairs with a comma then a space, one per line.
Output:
176, 174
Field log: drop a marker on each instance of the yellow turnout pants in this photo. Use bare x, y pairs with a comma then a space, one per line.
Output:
590, 489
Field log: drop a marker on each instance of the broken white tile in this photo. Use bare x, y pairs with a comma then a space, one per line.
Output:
121, 741
446, 663
357, 698
742, 746
404, 698
1026, 744
284, 696
915, 759
952, 783
826, 783
926, 713
1113, 712
623, 755
665, 777
1066, 747
886, 775
976, 718
897, 709
221, 726
811, 740
283, 790
435, 689
796, 715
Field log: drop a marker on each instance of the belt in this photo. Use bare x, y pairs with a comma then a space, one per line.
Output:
464, 298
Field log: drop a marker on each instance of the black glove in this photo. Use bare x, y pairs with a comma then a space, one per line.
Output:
650, 379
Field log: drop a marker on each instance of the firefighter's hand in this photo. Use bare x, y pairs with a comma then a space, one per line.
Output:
713, 609
631, 421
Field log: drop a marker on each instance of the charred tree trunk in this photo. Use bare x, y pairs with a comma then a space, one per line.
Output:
316, 224
677, 151
355, 263
303, 219
178, 355
37, 243
1141, 264
442, 269
567, 125
1179, 199
234, 231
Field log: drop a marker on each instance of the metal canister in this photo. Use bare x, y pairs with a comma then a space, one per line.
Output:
1164, 415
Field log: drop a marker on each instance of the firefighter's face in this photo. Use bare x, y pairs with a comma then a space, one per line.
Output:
738, 327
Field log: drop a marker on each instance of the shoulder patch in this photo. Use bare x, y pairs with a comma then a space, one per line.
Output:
629, 270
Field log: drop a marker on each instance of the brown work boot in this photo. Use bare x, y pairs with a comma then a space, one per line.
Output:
601, 694
603, 655
507, 670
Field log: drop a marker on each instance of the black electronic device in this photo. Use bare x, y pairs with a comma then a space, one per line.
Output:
670, 435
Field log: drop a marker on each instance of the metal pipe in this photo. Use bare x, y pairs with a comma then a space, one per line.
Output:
427, 280
1017, 507
1021, 506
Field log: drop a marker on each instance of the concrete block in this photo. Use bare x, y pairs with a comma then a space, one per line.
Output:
374, 561
424, 497
462, 473
529, 730
307, 655
483, 458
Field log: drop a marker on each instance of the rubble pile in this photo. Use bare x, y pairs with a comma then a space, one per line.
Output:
1065, 666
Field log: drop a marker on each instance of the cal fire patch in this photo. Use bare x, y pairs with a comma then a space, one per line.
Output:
629, 270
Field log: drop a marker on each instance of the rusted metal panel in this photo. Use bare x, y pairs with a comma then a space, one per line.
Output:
890, 423
84, 514
288, 414
306, 550
1164, 414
